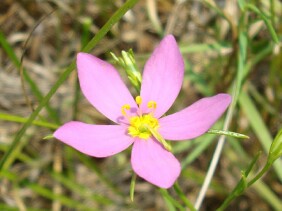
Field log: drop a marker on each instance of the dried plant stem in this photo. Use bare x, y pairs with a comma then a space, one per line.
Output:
215, 158
57, 167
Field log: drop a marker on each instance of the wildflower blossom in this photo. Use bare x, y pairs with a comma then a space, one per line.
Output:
139, 121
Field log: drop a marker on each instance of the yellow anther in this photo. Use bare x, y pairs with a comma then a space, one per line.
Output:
140, 126
152, 104
124, 108
138, 100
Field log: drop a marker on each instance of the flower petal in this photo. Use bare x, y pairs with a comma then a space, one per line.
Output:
94, 140
194, 120
103, 87
153, 163
162, 76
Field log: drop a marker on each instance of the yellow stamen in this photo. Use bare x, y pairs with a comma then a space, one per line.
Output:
138, 100
152, 104
139, 126
124, 108
144, 126
160, 139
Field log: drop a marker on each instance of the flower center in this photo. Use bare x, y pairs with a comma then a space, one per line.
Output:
144, 126
141, 126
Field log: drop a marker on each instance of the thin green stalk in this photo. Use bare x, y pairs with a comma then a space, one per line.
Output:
266, 20
19, 119
183, 197
244, 183
21, 156
132, 186
167, 196
87, 161
260, 174
272, 12
16, 152
47, 193
102, 32
81, 190
240, 187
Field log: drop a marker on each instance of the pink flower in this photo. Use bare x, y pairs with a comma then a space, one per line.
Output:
140, 121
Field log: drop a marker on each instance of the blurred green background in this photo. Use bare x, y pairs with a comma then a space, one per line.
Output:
228, 46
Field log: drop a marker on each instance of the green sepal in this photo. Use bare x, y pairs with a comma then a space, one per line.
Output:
50, 136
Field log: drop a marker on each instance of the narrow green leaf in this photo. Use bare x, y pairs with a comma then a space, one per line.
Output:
252, 164
14, 118
268, 195
168, 197
88, 161
266, 20
46, 192
242, 4
81, 190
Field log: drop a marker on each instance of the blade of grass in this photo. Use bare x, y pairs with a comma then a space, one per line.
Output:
266, 21
47, 193
80, 189
266, 193
21, 156
17, 151
34, 88
10, 208
197, 150
87, 161
102, 32
19, 119
43, 191
168, 197
183, 197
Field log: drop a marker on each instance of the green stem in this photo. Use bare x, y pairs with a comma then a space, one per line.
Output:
260, 174
174, 202
183, 197
132, 186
